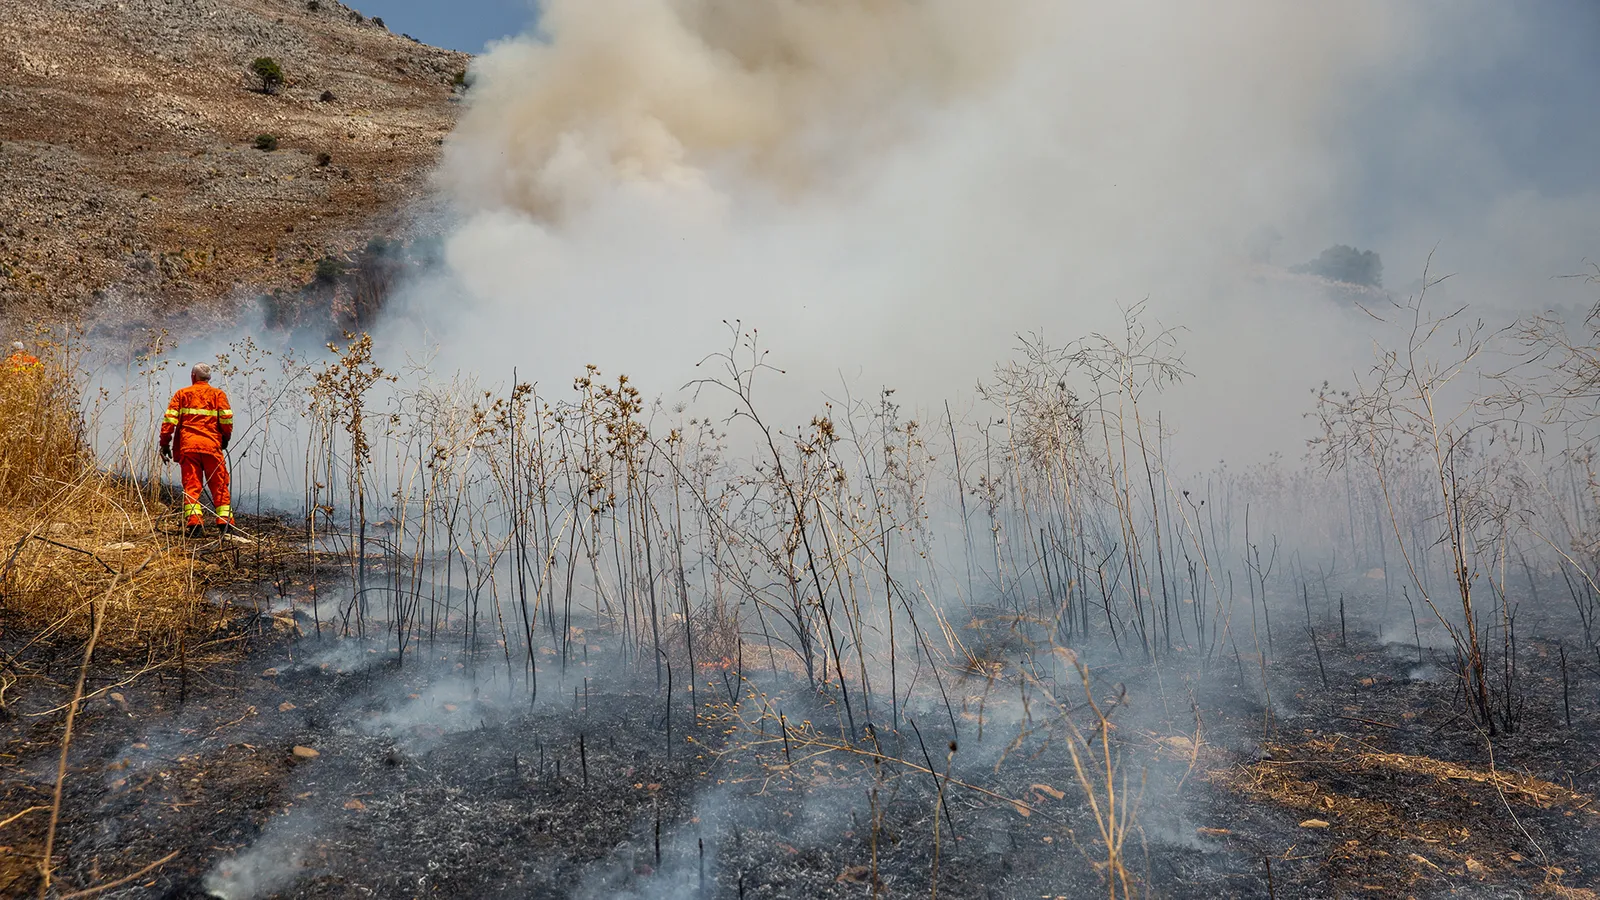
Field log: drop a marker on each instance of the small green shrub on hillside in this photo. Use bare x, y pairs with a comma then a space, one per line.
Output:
313, 5
323, 159
378, 21
267, 142
270, 73
329, 269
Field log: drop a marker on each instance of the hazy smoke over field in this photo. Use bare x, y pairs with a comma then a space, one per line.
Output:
890, 190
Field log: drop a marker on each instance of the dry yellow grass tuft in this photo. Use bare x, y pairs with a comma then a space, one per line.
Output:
68, 529
41, 429
1448, 819
63, 551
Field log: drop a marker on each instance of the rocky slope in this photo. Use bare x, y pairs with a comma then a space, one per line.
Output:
128, 162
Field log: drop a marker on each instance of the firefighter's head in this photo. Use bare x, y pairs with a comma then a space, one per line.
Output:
201, 373
17, 346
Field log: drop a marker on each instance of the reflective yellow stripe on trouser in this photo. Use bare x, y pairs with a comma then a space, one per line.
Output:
193, 509
224, 513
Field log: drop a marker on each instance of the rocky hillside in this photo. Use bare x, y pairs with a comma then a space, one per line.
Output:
129, 159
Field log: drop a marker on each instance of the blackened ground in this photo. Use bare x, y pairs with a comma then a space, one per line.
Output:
432, 779
428, 792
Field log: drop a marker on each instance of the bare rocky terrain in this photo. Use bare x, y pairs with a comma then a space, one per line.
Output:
128, 165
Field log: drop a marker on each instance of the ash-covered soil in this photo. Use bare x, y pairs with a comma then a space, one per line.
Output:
307, 769
297, 767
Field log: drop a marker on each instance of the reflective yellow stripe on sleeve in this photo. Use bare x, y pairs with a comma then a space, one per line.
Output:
171, 418
226, 417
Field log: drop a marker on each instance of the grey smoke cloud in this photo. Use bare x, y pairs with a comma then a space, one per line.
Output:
656, 93
891, 190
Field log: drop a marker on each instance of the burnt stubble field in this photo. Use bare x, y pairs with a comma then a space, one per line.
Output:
298, 767
587, 646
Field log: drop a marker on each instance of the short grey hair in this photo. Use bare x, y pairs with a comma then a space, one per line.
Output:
201, 372
17, 346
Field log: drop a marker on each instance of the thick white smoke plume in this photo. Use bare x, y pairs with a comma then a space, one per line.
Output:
890, 190
659, 93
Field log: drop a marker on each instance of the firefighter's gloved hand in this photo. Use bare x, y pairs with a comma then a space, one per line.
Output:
225, 443
166, 454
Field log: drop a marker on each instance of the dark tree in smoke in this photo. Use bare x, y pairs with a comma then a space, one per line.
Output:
1346, 264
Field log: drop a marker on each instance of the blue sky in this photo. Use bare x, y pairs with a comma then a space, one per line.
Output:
1502, 104
459, 24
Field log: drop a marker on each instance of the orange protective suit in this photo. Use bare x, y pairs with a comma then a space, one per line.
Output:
23, 362
196, 430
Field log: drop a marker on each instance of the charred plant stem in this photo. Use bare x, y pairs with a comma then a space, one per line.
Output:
1566, 697
662, 655
66, 740
933, 773
1416, 633
1305, 594
876, 823
1317, 649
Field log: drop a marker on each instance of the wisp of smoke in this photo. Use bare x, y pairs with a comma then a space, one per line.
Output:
271, 864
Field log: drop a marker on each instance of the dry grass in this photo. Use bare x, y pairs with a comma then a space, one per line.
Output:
1443, 817
41, 430
1277, 777
67, 529
62, 550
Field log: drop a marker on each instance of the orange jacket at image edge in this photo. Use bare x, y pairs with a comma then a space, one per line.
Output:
21, 362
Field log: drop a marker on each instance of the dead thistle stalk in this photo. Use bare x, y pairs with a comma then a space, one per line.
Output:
1096, 766
66, 739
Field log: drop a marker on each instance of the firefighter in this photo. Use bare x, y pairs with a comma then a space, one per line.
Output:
196, 430
21, 360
